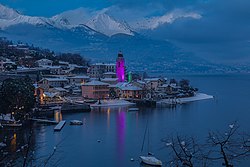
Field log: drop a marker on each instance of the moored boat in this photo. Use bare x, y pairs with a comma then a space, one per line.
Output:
76, 122
150, 160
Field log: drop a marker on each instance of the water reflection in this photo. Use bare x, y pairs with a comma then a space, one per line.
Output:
108, 118
13, 144
58, 116
121, 128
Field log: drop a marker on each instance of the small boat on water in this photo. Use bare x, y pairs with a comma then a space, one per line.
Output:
76, 122
133, 109
150, 160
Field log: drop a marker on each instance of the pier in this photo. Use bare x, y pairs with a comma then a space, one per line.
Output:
59, 126
44, 121
143, 102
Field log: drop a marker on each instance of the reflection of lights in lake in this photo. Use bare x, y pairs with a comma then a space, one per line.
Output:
58, 116
108, 119
13, 143
121, 120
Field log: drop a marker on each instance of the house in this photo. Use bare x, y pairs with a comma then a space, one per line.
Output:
44, 62
127, 90
111, 81
95, 90
78, 80
97, 70
63, 64
47, 83
154, 83
59, 91
169, 89
76, 69
109, 75
139, 83
56, 70
7, 64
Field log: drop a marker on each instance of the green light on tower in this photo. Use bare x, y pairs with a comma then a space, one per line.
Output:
129, 77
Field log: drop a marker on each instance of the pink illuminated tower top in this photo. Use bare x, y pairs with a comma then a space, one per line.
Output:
120, 67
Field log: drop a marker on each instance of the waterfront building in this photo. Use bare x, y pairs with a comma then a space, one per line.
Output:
95, 90
127, 90
170, 89
154, 83
120, 67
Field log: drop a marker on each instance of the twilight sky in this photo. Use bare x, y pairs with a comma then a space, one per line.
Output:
222, 33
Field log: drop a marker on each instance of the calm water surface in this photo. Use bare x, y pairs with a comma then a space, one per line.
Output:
121, 132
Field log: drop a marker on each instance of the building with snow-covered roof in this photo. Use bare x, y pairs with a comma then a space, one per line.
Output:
57, 70
127, 90
111, 81
78, 80
97, 70
95, 90
44, 62
154, 83
109, 75
47, 83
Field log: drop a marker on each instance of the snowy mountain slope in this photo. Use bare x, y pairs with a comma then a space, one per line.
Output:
108, 26
74, 17
7, 13
79, 18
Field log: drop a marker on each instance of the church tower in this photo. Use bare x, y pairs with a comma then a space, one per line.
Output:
120, 67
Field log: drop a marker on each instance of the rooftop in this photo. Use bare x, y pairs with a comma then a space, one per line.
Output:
79, 77
95, 83
105, 64
55, 79
126, 86
109, 73
109, 79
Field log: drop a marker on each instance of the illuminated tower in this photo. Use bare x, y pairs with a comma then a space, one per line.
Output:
120, 67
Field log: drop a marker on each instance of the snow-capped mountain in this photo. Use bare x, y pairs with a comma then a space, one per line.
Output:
79, 18
10, 17
98, 35
73, 17
154, 22
108, 25
7, 13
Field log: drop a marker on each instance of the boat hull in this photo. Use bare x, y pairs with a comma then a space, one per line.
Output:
150, 160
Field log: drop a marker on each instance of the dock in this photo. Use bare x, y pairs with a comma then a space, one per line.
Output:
59, 126
44, 121
143, 102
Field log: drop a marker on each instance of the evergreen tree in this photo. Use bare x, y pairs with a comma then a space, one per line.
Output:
17, 96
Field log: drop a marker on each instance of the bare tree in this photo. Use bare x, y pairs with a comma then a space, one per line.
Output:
230, 147
185, 152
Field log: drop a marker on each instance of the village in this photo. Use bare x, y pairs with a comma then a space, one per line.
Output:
60, 82
70, 83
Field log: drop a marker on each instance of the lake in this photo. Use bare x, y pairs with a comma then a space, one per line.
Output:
121, 133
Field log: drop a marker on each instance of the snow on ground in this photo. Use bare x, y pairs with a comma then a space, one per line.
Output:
2, 144
107, 103
6, 117
197, 97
